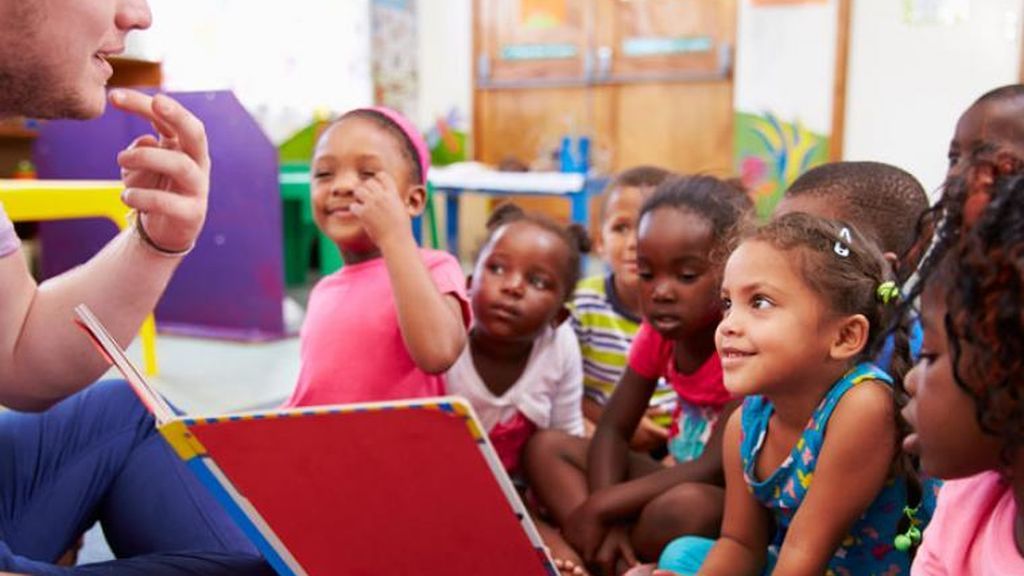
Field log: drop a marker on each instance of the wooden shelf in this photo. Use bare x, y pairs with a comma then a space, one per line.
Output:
135, 72
16, 132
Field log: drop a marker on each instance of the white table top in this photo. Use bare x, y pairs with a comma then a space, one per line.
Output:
472, 176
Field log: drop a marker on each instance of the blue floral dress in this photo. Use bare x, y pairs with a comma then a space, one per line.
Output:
868, 550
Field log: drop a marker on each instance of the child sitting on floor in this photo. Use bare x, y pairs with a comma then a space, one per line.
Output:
966, 390
393, 319
521, 370
605, 308
614, 506
809, 457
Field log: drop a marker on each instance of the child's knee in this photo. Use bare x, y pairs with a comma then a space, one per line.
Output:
685, 555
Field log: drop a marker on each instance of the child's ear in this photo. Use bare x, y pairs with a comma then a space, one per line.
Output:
893, 259
850, 337
417, 200
561, 316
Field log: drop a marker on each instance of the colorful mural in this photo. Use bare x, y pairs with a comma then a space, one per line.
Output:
771, 154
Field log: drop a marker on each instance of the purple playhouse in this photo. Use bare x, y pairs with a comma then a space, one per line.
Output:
232, 285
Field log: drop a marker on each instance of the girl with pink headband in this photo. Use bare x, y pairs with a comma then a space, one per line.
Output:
393, 319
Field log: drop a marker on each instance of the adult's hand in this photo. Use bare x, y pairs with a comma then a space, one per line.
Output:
166, 178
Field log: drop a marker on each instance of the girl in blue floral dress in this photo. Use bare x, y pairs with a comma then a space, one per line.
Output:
813, 480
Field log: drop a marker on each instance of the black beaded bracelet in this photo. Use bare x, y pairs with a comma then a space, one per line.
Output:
136, 221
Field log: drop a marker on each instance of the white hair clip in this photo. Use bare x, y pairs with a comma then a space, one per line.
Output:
842, 249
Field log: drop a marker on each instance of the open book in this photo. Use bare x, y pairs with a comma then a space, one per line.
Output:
410, 487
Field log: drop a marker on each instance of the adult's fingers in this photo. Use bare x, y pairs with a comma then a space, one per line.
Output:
140, 104
171, 119
159, 202
189, 178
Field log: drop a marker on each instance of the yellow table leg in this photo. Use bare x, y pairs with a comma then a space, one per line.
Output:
147, 336
39, 200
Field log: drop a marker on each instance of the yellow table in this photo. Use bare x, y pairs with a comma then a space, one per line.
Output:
39, 200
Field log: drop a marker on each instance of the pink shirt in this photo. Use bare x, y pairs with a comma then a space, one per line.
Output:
8, 239
651, 356
351, 346
971, 533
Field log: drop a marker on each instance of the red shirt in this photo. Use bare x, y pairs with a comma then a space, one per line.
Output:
651, 356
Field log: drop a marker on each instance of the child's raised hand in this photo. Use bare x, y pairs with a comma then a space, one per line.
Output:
380, 209
167, 179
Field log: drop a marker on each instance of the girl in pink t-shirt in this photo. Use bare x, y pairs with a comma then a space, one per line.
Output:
966, 403
522, 370
393, 319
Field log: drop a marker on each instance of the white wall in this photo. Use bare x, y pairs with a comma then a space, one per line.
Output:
908, 84
445, 59
284, 61
785, 62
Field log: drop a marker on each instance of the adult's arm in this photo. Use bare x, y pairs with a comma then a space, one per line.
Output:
43, 355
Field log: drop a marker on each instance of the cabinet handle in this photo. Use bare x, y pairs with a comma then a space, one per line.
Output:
483, 67
604, 61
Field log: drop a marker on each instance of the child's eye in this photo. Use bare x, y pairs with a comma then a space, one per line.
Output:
496, 268
645, 275
621, 228
927, 357
761, 303
687, 277
726, 304
539, 282
321, 174
366, 174
953, 158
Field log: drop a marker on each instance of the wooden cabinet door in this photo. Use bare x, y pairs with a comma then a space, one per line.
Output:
672, 108
664, 40
528, 40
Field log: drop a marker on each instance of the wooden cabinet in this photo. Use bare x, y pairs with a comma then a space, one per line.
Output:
650, 81
17, 135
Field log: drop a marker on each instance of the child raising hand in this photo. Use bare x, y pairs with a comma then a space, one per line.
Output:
393, 319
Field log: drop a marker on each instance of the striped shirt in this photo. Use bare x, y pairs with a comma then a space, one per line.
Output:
605, 330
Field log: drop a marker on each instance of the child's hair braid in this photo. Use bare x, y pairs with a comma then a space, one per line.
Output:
852, 275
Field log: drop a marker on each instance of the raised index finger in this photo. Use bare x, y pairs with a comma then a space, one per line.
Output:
140, 104
171, 118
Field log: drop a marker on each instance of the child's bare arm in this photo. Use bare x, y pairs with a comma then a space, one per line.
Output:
853, 466
747, 526
608, 457
431, 323
627, 498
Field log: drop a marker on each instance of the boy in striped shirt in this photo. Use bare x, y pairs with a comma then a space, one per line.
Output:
605, 308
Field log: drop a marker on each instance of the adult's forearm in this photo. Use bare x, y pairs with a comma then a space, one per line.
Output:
45, 356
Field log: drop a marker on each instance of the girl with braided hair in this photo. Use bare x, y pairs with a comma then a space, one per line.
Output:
814, 480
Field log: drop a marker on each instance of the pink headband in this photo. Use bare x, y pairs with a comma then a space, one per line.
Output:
412, 134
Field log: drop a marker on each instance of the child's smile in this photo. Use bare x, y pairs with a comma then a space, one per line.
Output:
766, 307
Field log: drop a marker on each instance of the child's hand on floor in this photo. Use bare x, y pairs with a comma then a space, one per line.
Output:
380, 210
584, 531
616, 552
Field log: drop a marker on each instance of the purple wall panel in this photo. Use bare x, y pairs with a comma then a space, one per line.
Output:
232, 285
